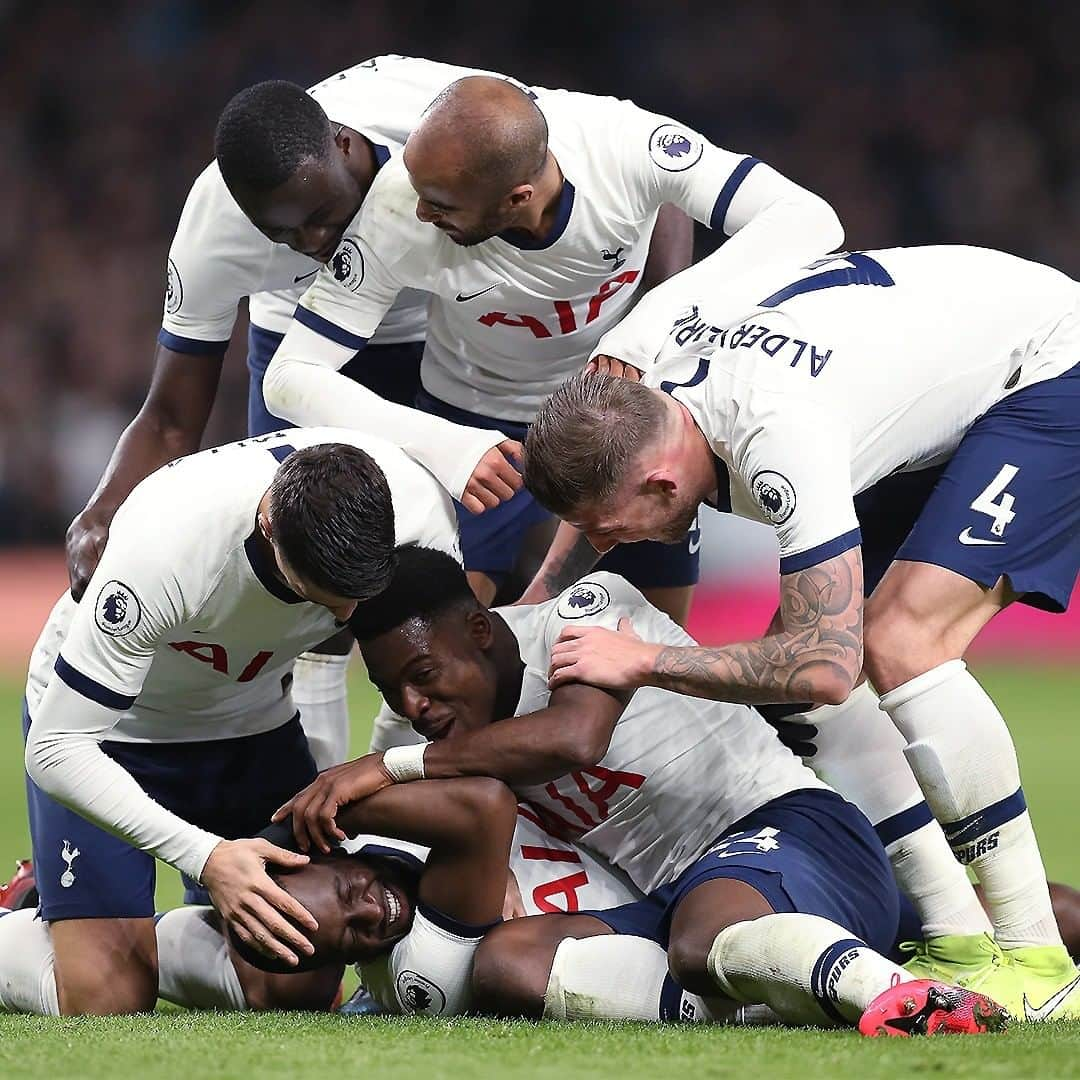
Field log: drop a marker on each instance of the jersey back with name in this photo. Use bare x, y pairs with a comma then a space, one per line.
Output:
678, 770
513, 316
185, 625
218, 257
812, 383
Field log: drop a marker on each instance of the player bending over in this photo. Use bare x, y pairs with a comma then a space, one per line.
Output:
158, 715
908, 422
696, 801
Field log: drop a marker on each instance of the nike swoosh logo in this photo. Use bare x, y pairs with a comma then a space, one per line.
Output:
461, 298
694, 544
977, 541
311, 273
1047, 1009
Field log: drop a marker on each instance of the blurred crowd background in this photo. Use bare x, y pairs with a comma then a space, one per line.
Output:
919, 121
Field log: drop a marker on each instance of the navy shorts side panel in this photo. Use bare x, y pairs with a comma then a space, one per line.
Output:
391, 371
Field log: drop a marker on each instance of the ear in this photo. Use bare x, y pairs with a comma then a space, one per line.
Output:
519, 197
481, 632
660, 481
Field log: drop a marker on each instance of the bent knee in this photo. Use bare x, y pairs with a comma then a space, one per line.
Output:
105, 967
898, 646
688, 963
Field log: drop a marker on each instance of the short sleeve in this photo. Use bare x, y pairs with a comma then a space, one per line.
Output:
796, 470
129, 605
428, 972
669, 162
217, 257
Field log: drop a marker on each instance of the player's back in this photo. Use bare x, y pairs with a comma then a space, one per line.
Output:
902, 349
678, 771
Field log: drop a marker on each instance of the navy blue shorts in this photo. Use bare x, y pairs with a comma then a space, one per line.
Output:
227, 786
491, 541
808, 851
391, 371
1007, 504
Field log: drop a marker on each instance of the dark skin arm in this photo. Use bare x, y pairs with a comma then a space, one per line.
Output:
671, 248
170, 424
815, 656
573, 732
468, 825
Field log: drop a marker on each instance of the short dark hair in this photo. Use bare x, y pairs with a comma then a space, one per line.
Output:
585, 437
332, 517
426, 584
267, 132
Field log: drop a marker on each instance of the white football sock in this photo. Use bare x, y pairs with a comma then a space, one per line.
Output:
960, 749
617, 977
861, 754
807, 969
194, 969
320, 691
27, 983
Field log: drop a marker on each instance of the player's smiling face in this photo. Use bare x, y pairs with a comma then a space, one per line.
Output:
363, 906
440, 676
310, 211
467, 212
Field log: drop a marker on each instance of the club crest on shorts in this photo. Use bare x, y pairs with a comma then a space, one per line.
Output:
674, 148
174, 289
117, 611
67, 878
347, 264
419, 995
585, 598
773, 492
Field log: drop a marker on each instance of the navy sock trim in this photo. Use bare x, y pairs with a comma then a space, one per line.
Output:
819, 977
903, 824
670, 1000
966, 830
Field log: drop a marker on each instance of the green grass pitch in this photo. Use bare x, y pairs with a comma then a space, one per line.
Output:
1041, 706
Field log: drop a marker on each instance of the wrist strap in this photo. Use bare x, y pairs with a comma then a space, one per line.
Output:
405, 763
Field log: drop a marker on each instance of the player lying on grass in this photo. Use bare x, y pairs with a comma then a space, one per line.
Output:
742, 849
908, 422
158, 715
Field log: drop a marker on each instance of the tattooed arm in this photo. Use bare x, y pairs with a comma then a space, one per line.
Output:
816, 655
570, 557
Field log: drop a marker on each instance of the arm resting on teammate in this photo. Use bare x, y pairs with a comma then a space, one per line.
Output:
169, 425
770, 218
572, 732
816, 656
671, 247
303, 384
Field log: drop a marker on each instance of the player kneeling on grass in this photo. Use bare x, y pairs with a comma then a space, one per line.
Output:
764, 885
158, 717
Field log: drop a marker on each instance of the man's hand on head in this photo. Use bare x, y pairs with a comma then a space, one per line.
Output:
314, 810
496, 479
248, 899
602, 364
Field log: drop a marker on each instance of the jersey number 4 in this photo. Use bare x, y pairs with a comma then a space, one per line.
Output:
995, 501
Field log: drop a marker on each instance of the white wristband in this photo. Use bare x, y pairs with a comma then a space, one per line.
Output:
405, 763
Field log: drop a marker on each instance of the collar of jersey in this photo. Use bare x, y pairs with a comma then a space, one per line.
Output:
262, 569
723, 486
526, 242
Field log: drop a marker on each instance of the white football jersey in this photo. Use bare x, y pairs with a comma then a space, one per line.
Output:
513, 317
812, 383
218, 257
184, 627
428, 971
678, 771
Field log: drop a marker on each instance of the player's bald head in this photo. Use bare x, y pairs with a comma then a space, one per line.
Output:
480, 128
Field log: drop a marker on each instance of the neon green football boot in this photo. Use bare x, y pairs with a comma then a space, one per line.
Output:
972, 961
1050, 983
